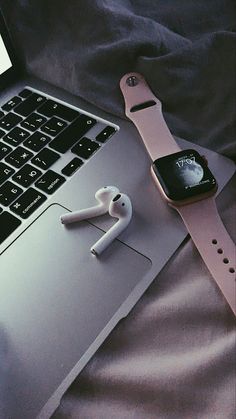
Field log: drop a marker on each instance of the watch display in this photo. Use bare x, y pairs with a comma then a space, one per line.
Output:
184, 174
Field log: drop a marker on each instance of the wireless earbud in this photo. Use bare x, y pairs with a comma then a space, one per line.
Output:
120, 207
103, 196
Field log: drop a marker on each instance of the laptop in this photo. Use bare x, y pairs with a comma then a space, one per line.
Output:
58, 302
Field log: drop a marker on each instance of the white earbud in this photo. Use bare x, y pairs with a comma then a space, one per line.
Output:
121, 208
103, 196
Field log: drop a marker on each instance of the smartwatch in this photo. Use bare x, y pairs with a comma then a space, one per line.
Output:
184, 181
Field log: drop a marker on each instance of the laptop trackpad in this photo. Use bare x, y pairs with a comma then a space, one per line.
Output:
51, 313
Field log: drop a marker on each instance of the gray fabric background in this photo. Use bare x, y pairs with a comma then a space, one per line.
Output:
173, 356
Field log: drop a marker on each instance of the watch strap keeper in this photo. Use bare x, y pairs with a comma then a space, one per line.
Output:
145, 111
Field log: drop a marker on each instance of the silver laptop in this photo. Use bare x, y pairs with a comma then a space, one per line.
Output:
58, 302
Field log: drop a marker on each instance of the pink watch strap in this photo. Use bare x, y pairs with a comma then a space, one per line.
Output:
201, 218
149, 120
213, 243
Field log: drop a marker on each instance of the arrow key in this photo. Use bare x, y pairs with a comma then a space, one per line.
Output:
71, 167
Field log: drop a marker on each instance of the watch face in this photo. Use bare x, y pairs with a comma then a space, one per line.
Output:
184, 175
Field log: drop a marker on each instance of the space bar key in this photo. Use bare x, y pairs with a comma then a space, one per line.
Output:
8, 224
69, 136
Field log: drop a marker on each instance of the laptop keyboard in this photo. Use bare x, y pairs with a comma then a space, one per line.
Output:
35, 131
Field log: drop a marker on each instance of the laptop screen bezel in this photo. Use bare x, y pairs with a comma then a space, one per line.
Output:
11, 74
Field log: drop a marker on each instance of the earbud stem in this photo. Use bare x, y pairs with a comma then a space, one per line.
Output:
83, 214
110, 236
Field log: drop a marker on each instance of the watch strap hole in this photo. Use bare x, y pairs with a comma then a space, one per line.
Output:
225, 260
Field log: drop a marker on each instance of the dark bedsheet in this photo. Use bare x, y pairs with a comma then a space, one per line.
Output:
173, 357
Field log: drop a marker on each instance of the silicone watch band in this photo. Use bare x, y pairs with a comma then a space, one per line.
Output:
201, 218
213, 243
149, 121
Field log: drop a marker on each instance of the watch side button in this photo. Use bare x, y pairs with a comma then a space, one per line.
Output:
205, 159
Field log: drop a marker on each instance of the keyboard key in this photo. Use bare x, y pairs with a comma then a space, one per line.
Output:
71, 167
11, 103
33, 122
1, 114
85, 148
25, 93
4, 150
30, 104
51, 108
16, 136
9, 192
37, 141
2, 133
8, 224
50, 182
27, 203
54, 126
67, 138
27, 175
5, 172
45, 158
19, 157
105, 134
9, 121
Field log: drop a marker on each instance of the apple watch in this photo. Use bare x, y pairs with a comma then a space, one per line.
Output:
184, 181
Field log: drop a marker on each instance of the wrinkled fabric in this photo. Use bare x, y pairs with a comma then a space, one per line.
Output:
173, 356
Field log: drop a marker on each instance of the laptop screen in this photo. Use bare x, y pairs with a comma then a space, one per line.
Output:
5, 62
9, 65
